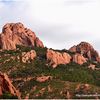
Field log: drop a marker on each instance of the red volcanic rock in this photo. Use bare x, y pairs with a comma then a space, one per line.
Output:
73, 49
68, 95
43, 78
6, 86
57, 58
92, 66
16, 34
86, 50
83, 87
27, 56
39, 43
79, 59
98, 59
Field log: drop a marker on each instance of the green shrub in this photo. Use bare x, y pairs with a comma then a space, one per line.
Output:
23, 48
96, 75
41, 52
73, 72
8, 96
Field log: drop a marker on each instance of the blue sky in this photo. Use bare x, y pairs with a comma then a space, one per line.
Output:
58, 23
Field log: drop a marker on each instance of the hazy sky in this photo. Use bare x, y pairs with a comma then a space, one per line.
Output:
58, 23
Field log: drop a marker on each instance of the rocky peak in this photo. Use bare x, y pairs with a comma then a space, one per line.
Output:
86, 50
16, 34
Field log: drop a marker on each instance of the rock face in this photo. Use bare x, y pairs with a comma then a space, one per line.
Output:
86, 50
16, 34
79, 59
73, 49
27, 56
6, 86
55, 58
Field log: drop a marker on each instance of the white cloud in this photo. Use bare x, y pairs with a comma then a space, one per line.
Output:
59, 23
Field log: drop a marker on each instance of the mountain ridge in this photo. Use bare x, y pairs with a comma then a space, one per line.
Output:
41, 72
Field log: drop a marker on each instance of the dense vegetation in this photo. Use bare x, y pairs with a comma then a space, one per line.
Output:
65, 77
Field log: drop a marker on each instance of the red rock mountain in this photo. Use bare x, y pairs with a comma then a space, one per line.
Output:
16, 34
86, 50
82, 53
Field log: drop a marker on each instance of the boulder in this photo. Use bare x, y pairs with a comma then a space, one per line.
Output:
55, 58
16, 34
43, 78
83, 88
92, 66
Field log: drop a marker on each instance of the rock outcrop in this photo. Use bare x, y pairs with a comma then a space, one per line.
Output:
27, 56
55, 58
79, 59
83, 88
92, 66
86, 50
16, 34
43, 78
6, 86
